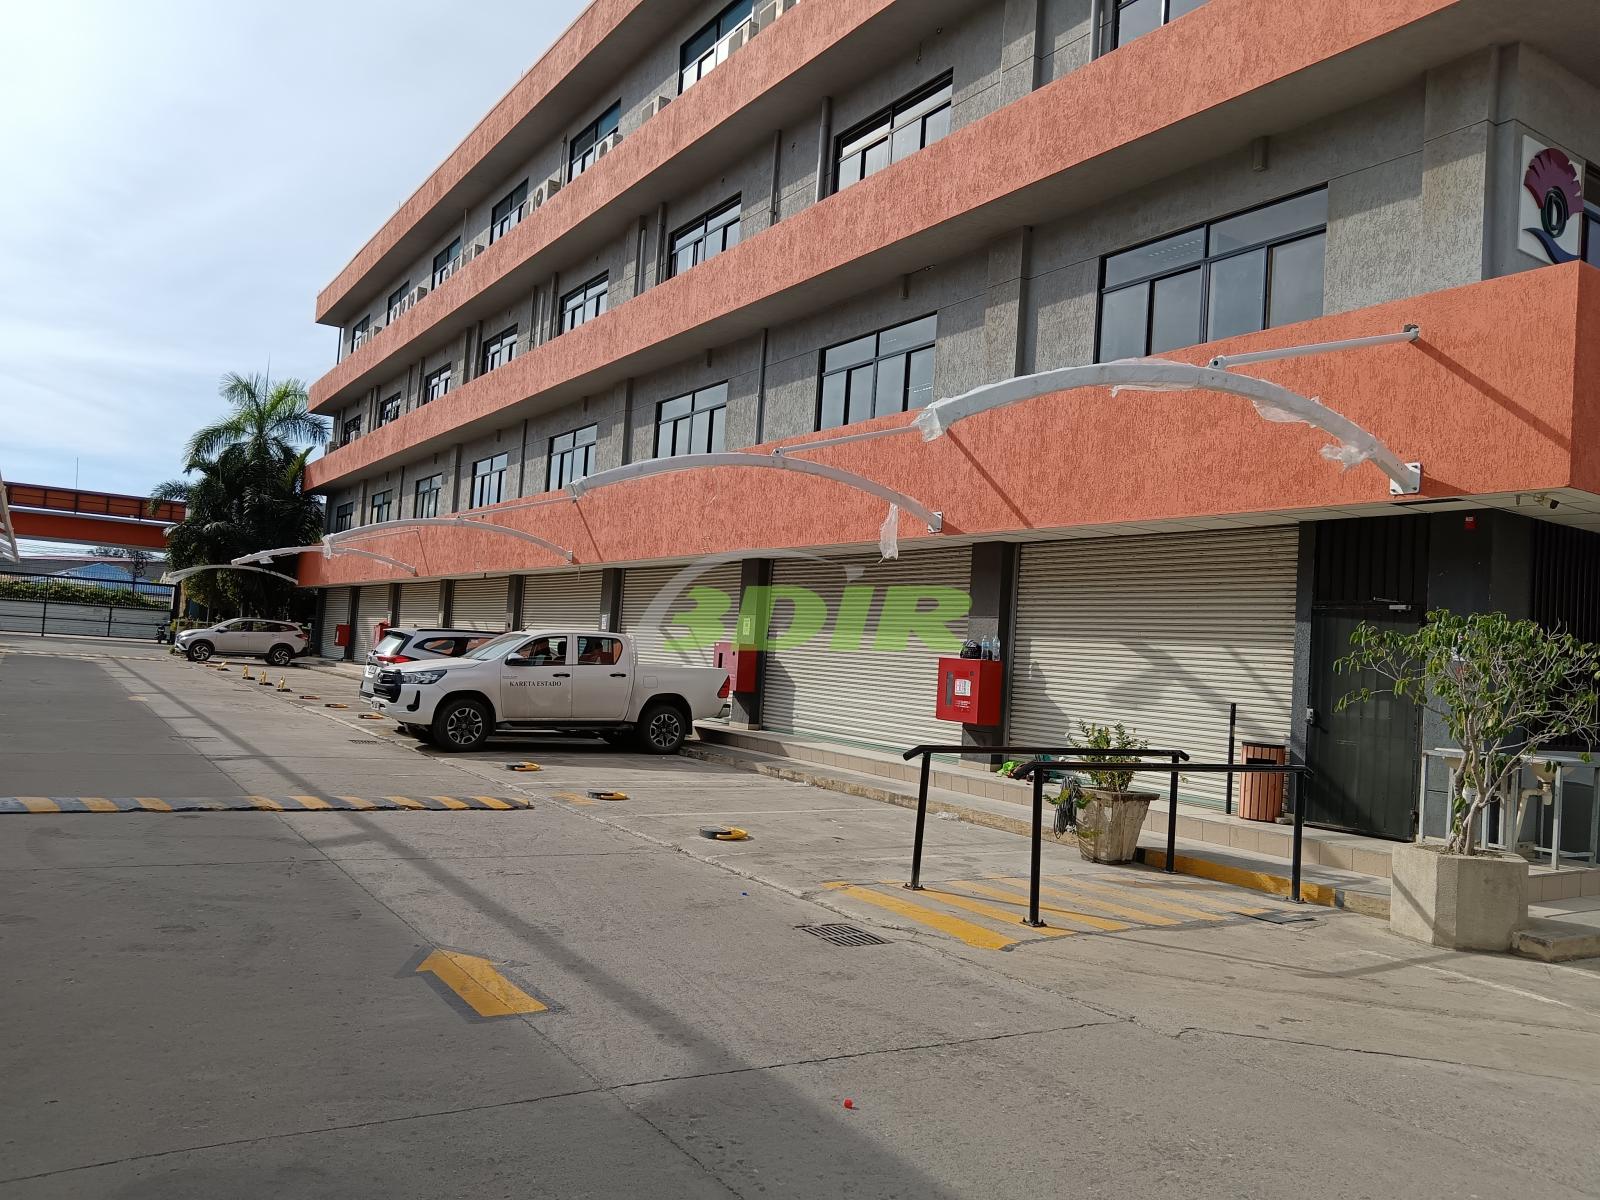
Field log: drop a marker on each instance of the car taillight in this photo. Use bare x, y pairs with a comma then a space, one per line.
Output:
394, 660
726, 689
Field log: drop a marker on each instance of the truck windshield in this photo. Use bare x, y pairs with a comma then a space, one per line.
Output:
496, 649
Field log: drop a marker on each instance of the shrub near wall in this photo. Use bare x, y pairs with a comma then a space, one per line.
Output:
59, 591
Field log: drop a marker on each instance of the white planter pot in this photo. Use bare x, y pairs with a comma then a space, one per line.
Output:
1109, 824
1452, 900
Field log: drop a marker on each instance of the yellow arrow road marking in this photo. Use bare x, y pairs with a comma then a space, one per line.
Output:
487, 992
969, 932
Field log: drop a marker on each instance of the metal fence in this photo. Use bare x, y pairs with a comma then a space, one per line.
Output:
82, 607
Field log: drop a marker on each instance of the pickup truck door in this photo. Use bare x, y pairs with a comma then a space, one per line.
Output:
602, 680
536, 680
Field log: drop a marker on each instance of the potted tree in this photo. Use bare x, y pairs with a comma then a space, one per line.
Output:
1506, 690
1110, 814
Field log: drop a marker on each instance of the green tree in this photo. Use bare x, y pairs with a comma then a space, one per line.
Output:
268, 419
1505, 690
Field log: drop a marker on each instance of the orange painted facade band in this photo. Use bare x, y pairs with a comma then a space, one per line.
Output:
1173, 75
1488, 400
76, 527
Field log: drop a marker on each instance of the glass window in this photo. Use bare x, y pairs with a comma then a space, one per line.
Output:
389, 410
359, 332
571, 457
584, 304
546, 650
507, 211
598, 651
886, 372
382, 503
498, 350
489, 481
1238, 275
343, 517
585, 148
425, 500
350, 432
705, 237
397, 304
711, 44
692, 424
907, 126
1135, 18
437, 383
444, 262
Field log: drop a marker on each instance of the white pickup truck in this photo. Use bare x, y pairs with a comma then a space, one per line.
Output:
542, 680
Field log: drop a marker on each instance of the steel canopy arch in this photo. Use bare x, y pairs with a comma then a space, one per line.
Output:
327, 551
1272, 401
733, 458
349, 535
184, 572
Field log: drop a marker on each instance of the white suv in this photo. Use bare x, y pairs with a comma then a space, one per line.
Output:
279, 642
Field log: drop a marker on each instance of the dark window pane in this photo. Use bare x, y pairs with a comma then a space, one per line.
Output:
1238, 294
1175, 312
907, 140
833, 388
672, 409
860, 405
913, 333
1274, 221
1297, 280
712, 396
920, 382
891, 386
663, 440
849, 171
876, 158
859, 351
718, 429
1177, 8
1122, 322
700, 432
587, 435
936, 126
1137, 19
1165, 255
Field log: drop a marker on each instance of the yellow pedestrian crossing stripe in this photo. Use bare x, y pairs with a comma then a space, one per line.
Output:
275, 804
990, 913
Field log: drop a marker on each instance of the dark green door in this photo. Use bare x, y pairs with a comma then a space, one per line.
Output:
1364, 760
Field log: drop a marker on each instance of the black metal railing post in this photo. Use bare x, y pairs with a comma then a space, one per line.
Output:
1299, 835
1038, 843
1233, 724
922, 822
1172, 819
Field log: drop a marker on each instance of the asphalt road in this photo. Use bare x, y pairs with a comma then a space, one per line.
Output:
228, 1004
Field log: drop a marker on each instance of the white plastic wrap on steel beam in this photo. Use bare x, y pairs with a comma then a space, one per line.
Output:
172, 577
1272, 402
386, 527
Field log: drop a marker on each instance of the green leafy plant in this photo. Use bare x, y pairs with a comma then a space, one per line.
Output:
1504, 689
66, 591
1112, 739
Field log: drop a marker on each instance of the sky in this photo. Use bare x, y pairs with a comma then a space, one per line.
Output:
183, 177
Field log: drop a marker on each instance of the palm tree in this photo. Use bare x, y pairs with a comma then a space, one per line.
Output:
266, 416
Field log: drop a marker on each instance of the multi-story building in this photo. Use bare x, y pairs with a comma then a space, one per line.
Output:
697, 227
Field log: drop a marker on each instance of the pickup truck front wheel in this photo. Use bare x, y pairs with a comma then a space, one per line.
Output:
461, 725
662, 728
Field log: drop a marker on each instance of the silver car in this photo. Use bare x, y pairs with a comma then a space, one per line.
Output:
405, 643
279, 642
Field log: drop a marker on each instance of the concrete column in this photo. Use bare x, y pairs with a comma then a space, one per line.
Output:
746, 706
1019, 48
447, 603
610, 614
513, 614
1304, 594
1004, 349
993, 584
350, 620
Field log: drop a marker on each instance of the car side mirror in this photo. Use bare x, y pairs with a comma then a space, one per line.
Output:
517, 660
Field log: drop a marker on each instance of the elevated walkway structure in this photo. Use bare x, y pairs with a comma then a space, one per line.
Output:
56, 514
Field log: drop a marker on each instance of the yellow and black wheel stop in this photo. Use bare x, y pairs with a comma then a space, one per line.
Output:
606, 794
524, 766
311, 697
370, 717
330, 704
724, 833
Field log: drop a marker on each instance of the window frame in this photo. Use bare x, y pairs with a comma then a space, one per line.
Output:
601, 281
1117, 7
504, 214
444, 260
396, 299
1205, 263
447, 372
573, 461
578, 650
716, 426
887, 119
360, 330
719, 29
596, 131
344, 516
702, 225
430, 508
876, 361
505, 340
386, 508
480, 486
388, 410
350, 430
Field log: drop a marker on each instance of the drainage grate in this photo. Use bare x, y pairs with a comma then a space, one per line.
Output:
1284, 918
844, 935
365, 742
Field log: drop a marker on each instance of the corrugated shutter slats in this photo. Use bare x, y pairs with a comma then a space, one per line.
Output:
480, 604
372, 606
570, 599
419, 604
641, 586
335, 612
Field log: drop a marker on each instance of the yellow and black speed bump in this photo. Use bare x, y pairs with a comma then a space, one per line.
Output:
107, 804
606, 794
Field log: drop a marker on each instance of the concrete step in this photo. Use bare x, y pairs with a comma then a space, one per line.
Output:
1551, 940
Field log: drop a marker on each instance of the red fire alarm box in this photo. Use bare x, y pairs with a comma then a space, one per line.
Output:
969, 690
739, 664
341, 635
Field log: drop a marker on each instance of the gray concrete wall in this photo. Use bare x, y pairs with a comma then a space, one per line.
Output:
737, 364
607, 411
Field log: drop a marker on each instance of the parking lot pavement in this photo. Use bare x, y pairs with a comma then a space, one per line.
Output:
586, 997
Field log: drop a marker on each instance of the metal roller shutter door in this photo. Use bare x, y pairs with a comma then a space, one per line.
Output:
641, 587
1161, 633
335, 612
570, 599
419, 604
858, 694
372, 606
479, 604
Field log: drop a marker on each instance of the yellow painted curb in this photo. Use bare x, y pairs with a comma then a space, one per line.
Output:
1256, 881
